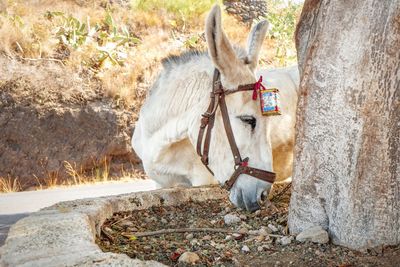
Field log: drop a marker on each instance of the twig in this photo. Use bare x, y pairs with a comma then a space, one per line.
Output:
188, 230
109, 237
121, 220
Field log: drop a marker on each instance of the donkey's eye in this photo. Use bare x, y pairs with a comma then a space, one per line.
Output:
249, 120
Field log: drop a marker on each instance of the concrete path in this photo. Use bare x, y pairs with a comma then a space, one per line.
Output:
14, 206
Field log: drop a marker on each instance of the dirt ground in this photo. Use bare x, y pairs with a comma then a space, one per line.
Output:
253, 239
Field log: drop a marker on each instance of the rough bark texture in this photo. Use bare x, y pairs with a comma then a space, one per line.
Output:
346, 167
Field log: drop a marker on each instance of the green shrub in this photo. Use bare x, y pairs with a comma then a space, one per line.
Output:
283, 16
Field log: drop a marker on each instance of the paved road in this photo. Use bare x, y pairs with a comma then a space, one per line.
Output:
14, 206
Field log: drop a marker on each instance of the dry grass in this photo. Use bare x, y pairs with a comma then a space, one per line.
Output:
9, 185
31, 30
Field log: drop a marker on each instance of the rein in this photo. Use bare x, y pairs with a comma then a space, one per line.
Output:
217, 99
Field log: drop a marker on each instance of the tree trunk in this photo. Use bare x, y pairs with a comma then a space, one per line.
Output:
346, 169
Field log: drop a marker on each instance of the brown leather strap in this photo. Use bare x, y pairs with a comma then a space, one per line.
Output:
241, 88
207, 121
228, 130
256, 173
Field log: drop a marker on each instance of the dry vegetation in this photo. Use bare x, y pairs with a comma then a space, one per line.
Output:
116, 46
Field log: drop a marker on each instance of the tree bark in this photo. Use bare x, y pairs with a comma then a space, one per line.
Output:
346, 169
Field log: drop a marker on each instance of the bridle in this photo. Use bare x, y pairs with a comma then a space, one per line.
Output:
217, 99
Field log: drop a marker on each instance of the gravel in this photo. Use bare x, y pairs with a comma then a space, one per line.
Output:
259, 239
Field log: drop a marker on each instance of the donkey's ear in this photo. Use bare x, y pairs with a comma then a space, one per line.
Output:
254, 42
219, 47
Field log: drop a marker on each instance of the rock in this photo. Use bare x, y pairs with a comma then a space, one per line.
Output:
53, 123
253, 232
273, 228
164, 221
246, 10
262, 248
263, 231
126, 224
260, 238
286, 240
228, 237
230, 219
314, 234
238, 236
243, 230
206, 237
189, 258
245, 249
189, 236
243, 217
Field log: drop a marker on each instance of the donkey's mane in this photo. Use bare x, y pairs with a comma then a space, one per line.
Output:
187, 56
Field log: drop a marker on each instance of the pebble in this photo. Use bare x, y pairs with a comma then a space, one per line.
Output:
189, 258
253, 232
243, 217
245, 249
260, 238
317, 252
286, 240
263, 231
206, 237
314, 234
127, 224
237, 236
147, 248
243, 230
194, 242
262, 248
189, 236
257, 213
228, 237
164, 221
231, 219
273, 228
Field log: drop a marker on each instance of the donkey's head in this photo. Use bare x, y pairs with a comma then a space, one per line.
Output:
237, 68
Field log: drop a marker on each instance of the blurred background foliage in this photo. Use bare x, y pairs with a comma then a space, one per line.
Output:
121, 42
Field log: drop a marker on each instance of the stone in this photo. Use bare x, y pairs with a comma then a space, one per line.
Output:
127, 224
243, 230
189, 236
263, 231
230, 219
50, 237
286, 240
243, 217
189, 258
164, 221
260, 238
206, 237
273, 228
314, 234
245, 249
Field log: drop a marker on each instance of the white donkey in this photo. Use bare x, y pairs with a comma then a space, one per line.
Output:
167, 130
280, 129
